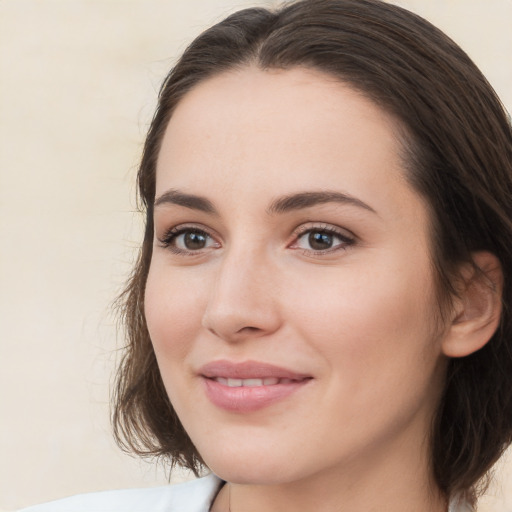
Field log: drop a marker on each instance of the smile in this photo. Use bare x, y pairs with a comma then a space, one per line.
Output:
249, 386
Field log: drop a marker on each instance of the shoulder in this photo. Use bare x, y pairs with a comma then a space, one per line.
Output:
194, 496
459, 505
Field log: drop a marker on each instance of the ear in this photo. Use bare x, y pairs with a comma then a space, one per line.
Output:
477, 309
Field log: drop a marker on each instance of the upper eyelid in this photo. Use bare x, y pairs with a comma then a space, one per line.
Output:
189, 226
322, 226
302, 228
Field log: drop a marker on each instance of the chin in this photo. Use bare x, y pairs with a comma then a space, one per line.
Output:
255, 469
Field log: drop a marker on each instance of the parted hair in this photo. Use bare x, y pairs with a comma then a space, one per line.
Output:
458, 152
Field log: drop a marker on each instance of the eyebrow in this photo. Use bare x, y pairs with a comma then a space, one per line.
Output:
280, 205
308, 199
187, 200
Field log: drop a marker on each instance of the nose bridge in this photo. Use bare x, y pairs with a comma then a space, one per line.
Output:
242, 301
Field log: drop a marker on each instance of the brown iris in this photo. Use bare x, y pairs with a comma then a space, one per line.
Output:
320, 240
194, 240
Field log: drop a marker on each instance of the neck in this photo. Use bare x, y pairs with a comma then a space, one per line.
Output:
240, 498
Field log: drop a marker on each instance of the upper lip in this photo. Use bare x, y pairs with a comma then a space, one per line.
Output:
248, 370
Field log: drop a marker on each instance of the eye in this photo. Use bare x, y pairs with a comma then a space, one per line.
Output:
322, 240
187, 240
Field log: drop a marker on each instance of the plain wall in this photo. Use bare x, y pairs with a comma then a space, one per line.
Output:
78, 84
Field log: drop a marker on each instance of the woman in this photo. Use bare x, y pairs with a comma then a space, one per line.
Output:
320, 313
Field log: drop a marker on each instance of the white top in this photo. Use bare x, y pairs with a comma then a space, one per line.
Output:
194, 496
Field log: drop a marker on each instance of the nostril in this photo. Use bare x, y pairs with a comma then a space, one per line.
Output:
249, 329
213, 331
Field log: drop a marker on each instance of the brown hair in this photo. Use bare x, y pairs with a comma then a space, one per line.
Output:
459, 155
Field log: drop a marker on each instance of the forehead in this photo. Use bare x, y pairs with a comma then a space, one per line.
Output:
273, 131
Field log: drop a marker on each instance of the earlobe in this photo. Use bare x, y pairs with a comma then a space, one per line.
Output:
477, 310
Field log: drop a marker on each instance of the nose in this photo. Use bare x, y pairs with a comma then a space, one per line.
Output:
244, 300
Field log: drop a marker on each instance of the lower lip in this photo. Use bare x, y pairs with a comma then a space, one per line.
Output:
248, 399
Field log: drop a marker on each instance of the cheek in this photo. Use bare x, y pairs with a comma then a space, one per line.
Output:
374, 322
174, 305
373, 336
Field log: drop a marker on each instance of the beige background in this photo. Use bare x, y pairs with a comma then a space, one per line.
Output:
78, 82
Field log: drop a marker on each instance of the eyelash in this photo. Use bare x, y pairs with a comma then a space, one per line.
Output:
170, 236
345, 240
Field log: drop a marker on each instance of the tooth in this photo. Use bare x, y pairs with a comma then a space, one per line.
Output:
251, 383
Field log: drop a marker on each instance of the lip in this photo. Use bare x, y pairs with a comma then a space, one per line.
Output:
248, 370
248, 399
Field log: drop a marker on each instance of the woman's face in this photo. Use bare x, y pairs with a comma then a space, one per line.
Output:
290, 298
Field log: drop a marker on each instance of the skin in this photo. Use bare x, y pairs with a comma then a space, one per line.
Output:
359, 317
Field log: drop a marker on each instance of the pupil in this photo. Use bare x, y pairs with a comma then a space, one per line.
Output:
320, 241
195, 240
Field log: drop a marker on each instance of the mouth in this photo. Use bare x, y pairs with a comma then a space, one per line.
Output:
251, 383
249, 386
